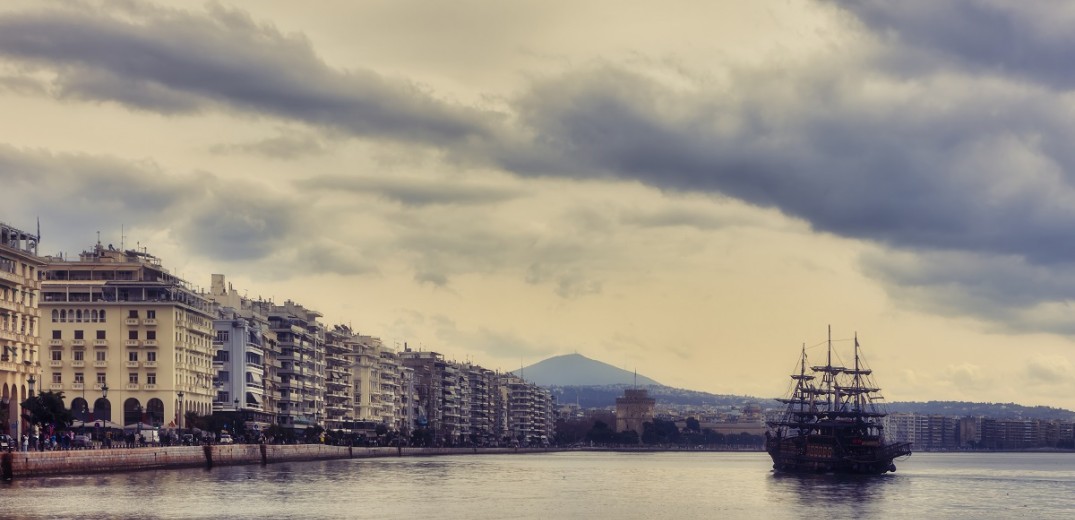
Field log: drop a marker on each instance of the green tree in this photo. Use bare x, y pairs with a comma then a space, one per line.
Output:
47, 408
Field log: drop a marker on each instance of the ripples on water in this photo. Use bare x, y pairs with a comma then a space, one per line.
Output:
563, 485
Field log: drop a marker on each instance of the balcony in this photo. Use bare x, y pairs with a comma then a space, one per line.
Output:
132, 364
149, 364
55, 342
132, 386
149, 387
78, 343
55, 363
132, 343
152, 322
55, 386
100, 364
131, 321
151, 342
78, 363
100, 342
78, 386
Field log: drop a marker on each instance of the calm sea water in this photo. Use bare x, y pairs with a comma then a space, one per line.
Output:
563, 485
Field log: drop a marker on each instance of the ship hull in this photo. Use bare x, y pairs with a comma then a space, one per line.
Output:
793, 457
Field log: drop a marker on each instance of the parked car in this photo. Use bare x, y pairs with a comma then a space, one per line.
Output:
6, 442
82, 441
225, 439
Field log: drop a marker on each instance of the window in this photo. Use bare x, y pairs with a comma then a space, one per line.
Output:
100, 334
132, 334
151, 334
79, 335
132, 355
101, 355
132, 314
151, 356
151, 314
57, 377
222, 335
102, 316
79, 355
151, 378
132, 377
57, 334
100, 378
57, 355
78, 378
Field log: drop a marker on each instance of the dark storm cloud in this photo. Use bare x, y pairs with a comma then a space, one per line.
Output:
1029, 39
944, 135
180, 62
888, 170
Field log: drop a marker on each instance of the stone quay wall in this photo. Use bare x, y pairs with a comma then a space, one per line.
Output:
32, 464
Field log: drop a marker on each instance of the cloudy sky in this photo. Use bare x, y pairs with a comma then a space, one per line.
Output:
690, 189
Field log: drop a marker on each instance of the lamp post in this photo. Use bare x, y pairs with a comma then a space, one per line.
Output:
180, 396
32, 381
138, 412
237, 418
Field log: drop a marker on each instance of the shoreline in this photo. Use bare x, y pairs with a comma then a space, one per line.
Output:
35, 464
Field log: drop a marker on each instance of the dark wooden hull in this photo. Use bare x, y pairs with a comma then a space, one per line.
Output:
796, 456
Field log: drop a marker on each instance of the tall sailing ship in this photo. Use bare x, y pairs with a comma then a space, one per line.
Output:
832, 422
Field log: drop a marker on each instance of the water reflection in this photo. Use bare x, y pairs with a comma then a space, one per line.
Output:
844, 496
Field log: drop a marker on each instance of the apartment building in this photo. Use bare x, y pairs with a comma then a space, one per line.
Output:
528, 411
127, 336
302, 364
378, 383
20, 322
245, 359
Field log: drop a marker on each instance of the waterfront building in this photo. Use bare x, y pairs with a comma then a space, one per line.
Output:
339, 398
118, 318
378, 383
301, 340
20, 321
528, 411
427, 379
245, 359
634, 409
482, 386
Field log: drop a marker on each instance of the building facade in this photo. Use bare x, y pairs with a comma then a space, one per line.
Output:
20, 322
126, 338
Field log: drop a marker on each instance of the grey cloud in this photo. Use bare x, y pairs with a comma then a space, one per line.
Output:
415, 191
78, 195
1029, 39
286, 146
1007, 292
173, 61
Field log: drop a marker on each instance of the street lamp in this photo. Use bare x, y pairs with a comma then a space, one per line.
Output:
32, 381
180, 396
237, 418
138, 412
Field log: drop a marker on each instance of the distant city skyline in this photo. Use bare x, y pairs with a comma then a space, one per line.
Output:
692, 191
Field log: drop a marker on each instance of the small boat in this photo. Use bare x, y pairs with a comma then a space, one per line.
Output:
832, 422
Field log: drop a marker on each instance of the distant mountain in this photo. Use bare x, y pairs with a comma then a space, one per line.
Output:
579, 370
